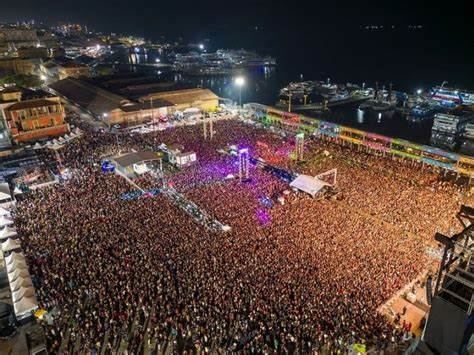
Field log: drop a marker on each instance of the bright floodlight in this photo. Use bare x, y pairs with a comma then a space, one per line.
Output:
105, 114
419, 91
43, 77
157, 60
201, 46
240, 81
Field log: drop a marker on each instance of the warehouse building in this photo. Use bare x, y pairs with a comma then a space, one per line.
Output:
131, 99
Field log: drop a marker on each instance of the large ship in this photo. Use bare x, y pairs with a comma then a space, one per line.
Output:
447, 129
451, 97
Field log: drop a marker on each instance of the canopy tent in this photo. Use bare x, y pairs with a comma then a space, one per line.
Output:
17, 191
4, 192
55, 146
5, 221
18, 273
308, 184
20, 264
20, 282
4, 212
7, 232
14, 257
23, 292
25, 305
10, 244
37, 146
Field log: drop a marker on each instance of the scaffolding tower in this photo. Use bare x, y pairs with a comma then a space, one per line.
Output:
244, 161
299, 146
452, 304
208, 127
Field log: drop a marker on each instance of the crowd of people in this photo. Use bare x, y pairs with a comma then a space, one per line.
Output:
306, 276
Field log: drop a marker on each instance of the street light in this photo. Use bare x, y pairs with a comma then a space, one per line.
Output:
157, 60
240, 81
201, 46
419, 91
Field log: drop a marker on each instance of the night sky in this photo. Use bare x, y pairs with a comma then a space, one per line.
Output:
303, 35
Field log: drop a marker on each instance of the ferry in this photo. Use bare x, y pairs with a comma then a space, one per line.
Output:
451, 97
447, 129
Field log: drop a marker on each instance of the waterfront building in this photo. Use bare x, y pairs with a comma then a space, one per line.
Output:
31, 118
128, 101
33, 52
60, 69
17, 65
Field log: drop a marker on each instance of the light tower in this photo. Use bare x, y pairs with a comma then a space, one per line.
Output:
299, 146
240, 82
244, 161
208, 124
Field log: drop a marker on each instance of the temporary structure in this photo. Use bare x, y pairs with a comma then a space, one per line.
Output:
308, 184
37, 146
14, 257
20, 282
25, 305
7, 232
5, 221
10, 244
18, 274
23, 292
4, 212
20, 264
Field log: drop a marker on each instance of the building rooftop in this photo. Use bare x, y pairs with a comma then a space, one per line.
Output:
178, 97
31, 103
134, 86
135, 157
88, 96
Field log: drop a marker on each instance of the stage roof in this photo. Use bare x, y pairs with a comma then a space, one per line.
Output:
308, 184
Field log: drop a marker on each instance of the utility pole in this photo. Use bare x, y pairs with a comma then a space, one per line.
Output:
289, 101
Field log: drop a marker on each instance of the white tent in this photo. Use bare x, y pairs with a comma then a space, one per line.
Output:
4, 212
14, 257
61, 139
20, 264
37, 146
7, 232
308, 184
55, 146
23, 292
4, 191
17, 191
20, 282
4, 221
10, 244
18, 274
25, 305
73, 135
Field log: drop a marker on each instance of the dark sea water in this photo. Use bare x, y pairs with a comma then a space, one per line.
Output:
409, 59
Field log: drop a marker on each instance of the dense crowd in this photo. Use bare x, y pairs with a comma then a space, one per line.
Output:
304, 276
